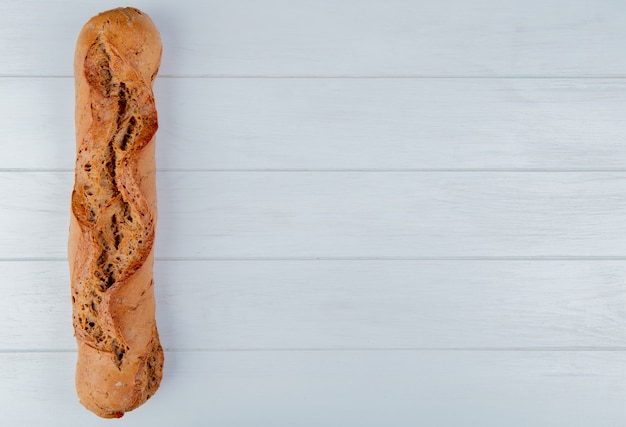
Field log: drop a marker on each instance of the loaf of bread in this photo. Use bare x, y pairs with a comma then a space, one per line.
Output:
113, 213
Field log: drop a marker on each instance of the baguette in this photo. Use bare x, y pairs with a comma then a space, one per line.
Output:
113, 213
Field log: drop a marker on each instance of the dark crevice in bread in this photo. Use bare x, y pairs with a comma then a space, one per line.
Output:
154, 366
100, 71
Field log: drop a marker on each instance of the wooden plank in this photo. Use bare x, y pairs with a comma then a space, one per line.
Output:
326, 37
345, 214
343, 123
541, 389
344, 304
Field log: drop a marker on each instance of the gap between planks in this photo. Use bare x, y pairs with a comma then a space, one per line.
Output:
344, 170
356, 258
355, 349
341, 76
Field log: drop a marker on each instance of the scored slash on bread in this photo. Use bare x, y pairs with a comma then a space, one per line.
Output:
120, 359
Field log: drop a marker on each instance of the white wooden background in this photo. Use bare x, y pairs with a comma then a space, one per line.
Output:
372, 213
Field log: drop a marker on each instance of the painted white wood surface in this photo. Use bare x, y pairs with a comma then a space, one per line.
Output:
366, 216
330, 37
345, 214
325, 124
343, 304
395, 388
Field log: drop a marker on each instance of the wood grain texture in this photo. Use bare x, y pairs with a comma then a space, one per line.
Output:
345, 214
345, 123
327, 37
541, 389
262, 305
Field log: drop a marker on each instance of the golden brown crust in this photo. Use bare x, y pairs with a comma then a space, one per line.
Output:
120, 359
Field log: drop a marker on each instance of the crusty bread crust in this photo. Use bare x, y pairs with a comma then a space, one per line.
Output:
113, 213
